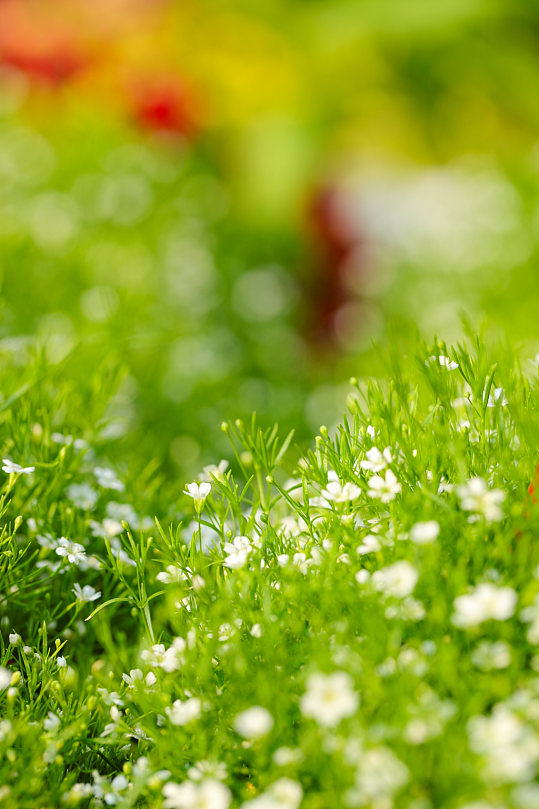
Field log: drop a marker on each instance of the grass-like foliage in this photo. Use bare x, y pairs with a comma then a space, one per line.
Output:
353, 627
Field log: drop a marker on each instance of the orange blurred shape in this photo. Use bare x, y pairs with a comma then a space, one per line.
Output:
35, 40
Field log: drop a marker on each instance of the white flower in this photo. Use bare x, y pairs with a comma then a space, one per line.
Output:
424, 532
208, 769
510, 746
337, 492
284, 756
5, 678
475, 496
214, 471
11, 468
253, 723
498, 397
155, 655
370, 544
174, 655
445, 362
122, 512
14, 638
73, 551
172, 575
329, 698
282, 794
380, 774
486, 602
52, 722
208, 794
384, 489
376, 460
108, 479
82, 496
238, 552
488, 656
396, 580
136, 676
531, 616
109, 792
199, 492
86, 593
183, 712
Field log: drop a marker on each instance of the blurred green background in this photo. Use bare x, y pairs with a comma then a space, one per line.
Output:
233, 200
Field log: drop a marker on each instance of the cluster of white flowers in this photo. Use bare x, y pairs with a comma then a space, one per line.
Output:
384, 488
237, 552
183, 712
376, 460
486, 602
207, 794
484, 502
282, 794
169, 659
379, 776
509, 746
338, 492
397, 580
329, 698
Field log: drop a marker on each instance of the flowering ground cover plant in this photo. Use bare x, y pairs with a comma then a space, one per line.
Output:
355, 626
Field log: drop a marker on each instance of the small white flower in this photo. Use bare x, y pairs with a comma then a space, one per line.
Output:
384, 489
86, 593
376, 460
253, 723
82, 496
108, 479
486, 602
370, 544
172, 575
198, 492
284, 756
136, 676
214, 471
337, 492
531, 616
282, 794
208, 769
396, 580
238, 552
183, 712
5, 678
14, 638
445, 362
208, 794
498, 397
12, 468
51, 723
174, 655
424, 532
475, 496
488, 656
329, 698
73, 551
